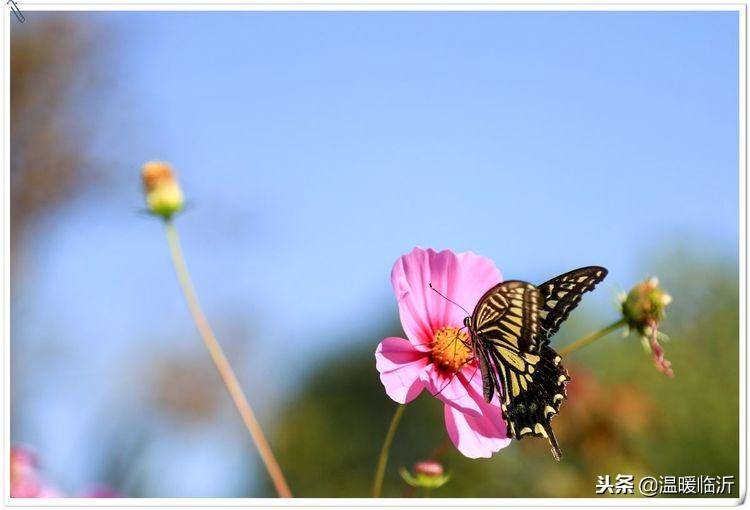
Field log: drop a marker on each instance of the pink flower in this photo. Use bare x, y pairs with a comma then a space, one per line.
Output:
436, 357
102, 491
25, 480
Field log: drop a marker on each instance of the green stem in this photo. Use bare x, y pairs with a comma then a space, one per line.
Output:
377, 483
581, 342
222, 364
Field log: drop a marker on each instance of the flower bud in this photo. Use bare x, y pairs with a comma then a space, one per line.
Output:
429, 468
643, 308
644, 305
427, 474
163, 194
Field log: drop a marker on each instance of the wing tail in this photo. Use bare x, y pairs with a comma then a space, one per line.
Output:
556, 452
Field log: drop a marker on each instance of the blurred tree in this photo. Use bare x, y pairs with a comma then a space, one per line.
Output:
55, 67
54, 61
623, 416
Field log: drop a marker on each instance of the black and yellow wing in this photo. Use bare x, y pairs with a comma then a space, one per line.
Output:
509, 314
506, 326
506, 331
561, 295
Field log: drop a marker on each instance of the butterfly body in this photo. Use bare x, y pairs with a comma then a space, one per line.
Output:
510, 331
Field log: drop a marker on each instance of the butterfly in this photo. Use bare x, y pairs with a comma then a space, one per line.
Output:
510, 332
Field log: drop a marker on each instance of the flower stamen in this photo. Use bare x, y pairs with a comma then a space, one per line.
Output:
450, 351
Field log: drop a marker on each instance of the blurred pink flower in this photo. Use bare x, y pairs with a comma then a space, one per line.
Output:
435, 357
102, 492
25, 479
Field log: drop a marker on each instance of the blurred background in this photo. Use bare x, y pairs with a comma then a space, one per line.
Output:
316, 148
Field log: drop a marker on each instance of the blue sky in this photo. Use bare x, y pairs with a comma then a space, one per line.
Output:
315, 148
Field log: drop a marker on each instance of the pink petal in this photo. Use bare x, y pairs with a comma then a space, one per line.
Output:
30, 485
452, 389
477, 436
25, 479
400, 366
48, 491
462, 277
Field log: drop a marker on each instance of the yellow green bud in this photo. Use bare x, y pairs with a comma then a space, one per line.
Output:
163, 194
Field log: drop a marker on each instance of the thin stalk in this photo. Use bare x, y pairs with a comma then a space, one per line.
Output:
377, 484
440, 449
582, 342
222, 364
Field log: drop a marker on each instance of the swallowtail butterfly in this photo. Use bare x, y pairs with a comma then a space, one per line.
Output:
510, 332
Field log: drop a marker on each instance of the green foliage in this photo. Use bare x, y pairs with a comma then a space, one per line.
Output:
623, 416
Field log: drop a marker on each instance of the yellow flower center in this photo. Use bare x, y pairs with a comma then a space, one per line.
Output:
449, 350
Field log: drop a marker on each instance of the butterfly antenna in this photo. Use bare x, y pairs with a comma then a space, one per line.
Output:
448, 299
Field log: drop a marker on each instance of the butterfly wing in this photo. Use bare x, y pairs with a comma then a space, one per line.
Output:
506, 328
530, 402
508, 313
561, 295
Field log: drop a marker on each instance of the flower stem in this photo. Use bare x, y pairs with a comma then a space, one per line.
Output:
222, 364
583, 341
440, 449
377, 483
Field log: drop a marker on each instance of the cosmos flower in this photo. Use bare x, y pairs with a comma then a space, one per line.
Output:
435, 355
25, 479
